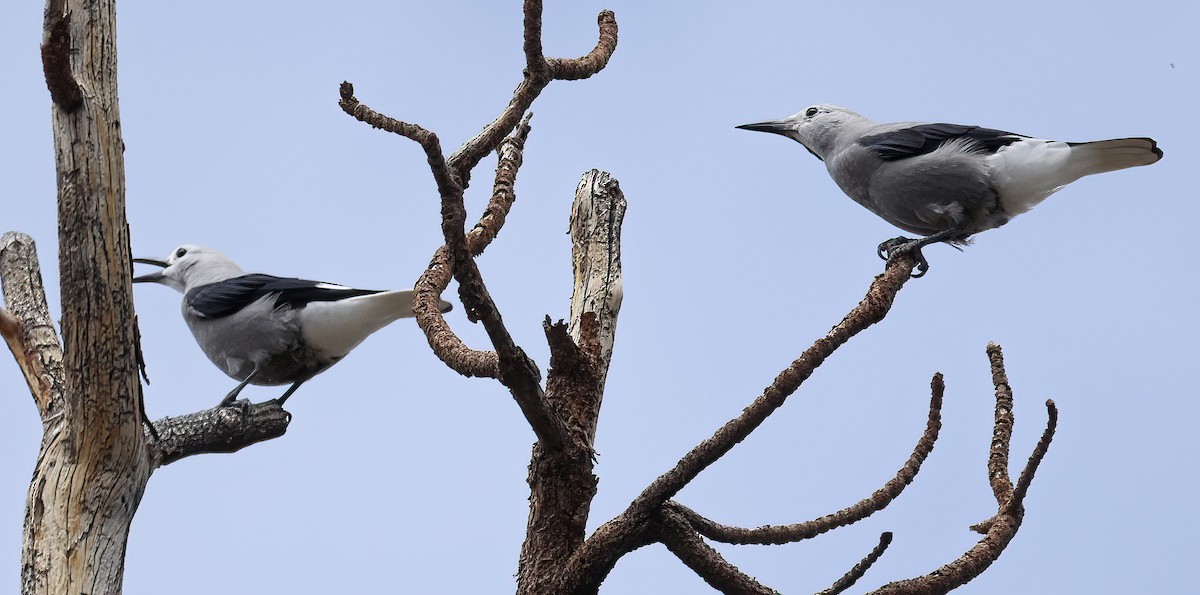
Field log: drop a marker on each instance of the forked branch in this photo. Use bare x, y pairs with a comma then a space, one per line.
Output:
1001, 528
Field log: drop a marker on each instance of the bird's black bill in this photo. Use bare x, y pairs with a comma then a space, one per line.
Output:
774, 126
152, 277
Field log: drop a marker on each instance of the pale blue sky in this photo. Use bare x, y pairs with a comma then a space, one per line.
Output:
398, 476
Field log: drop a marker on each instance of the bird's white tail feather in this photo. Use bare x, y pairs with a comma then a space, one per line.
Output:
337, 327
1110, 155
1028, 171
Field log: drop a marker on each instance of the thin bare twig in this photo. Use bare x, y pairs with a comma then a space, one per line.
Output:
1002, 435
706, 562
1016, 501
861, 510
861, 568
429, 141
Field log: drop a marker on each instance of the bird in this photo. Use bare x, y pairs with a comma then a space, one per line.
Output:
267, 330
946, 182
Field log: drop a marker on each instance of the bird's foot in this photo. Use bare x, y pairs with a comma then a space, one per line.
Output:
900, 245
233, 401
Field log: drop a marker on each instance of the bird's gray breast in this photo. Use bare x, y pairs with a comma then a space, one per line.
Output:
948, 188
259, 335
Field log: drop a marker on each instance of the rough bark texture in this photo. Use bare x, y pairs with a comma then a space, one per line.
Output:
93, 465
561, 481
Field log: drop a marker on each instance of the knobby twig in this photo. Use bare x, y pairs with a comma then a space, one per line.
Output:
1001, 528
882, 497
861, 568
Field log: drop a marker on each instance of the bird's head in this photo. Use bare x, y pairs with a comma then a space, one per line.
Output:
189, 266
816, 127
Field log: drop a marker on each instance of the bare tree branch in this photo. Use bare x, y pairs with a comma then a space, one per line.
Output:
592, 562
597, 215
511, 157
1002, 435
428, 140
1001, 528
706, 562
564, 69
471, 152
775, 535
861, 568
870, 310
29, 327
1013, 506
217, 430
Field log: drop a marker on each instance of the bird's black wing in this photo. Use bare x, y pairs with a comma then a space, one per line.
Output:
925, 138
223, 298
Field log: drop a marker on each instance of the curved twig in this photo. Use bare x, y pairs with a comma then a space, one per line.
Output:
861, 568
471, 152
706, 562
571, 69
775, 535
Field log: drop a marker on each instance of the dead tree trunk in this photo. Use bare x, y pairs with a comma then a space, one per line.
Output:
95, 457
94, 464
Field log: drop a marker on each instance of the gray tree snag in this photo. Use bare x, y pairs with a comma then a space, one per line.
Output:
98, 452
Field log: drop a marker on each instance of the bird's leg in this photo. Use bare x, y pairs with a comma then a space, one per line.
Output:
289, 392
902, 244
233, 394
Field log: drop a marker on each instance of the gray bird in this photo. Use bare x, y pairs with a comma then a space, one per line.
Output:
266, 330
946, 181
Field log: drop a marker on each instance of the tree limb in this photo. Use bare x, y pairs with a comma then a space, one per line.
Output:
536, 78
706, 562
870, 310
28, 326
597, 215
1001, 528
775, 535
217, 430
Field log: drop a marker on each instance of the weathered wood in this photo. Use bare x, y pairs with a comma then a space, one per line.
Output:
93, 464
561, 481
596, 218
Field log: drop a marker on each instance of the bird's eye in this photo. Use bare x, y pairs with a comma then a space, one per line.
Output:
180, 252
810, 112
